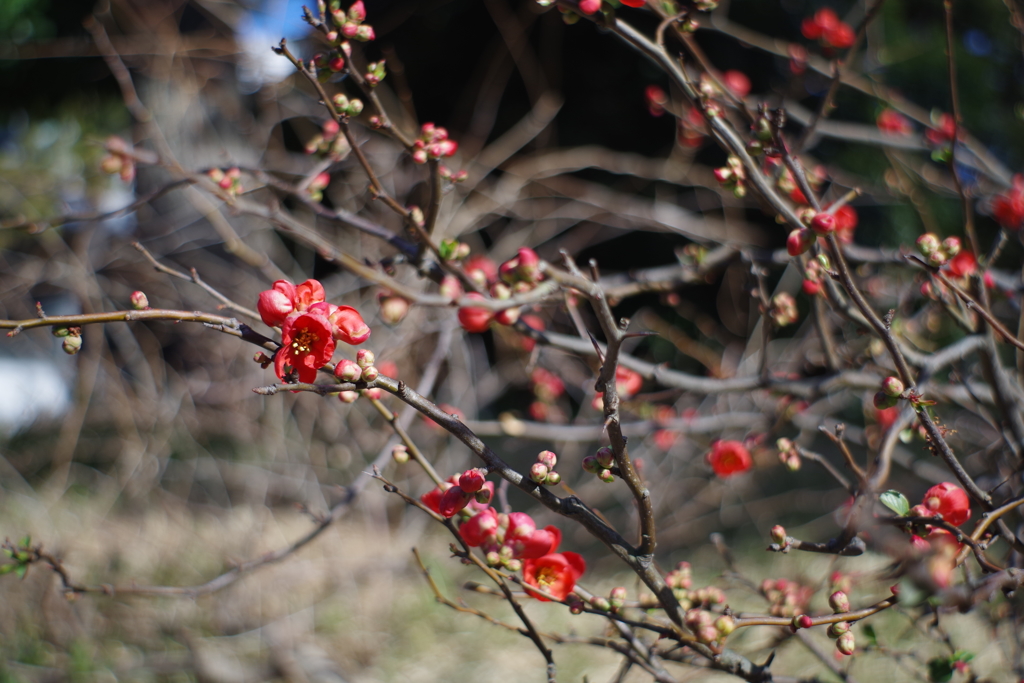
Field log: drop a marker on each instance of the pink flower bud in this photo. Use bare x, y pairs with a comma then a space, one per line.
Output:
591, 465
400, 453
778, 534
139, 301
617, 597
839, 602
472, 480
928, 244
606, 476
475, 319
393, 309
802, 621
605, 457
823, 223
357, 12
72, 344
846, 643
837, 629
370, 373
450, 288
347, 371
892, 386
590, 6
553, 479
365, 33
538, 472
483, 496
951, 245
799, 241
348, 396
548, 458
453, 500
336, 64
365, 358
349, 29
508, 316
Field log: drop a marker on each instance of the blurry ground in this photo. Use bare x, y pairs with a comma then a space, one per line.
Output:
350, 607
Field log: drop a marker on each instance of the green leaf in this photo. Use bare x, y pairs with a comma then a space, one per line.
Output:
869, 633
6, 568
895, 501
939, 670
20, 571
447, 249
26, 542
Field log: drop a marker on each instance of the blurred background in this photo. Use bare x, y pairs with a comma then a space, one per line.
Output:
146, 460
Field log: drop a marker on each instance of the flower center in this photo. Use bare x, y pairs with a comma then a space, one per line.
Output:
303, 342
546, 577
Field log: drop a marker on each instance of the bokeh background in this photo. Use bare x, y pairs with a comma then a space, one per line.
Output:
146, 460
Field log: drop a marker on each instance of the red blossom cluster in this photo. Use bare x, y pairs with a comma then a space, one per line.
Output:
519, 275
826, 28
350, 24
728, 458
511, 540
230, 180
309, 327
432, 144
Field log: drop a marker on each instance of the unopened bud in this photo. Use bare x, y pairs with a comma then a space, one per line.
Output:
600, 603
347, 371
483, 496
837, 629
400, 453
778, 533
846, 643
548, 458
139, 300
823, 223
590, 464
606, 476
60, 332
605, 456
839, 602
883, 400
365, 358
892, 386
617, 598
370, 373
802, 621
348, 396
553, 479
725, 625
72, 344
928, 244
538, 472
472, 480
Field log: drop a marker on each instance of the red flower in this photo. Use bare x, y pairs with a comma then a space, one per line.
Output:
950, 501
728, 458
627, 382
1008, 208
827, 29
634, 3
475, 319
846, 223
306, 344
664, 439
737, 82
530, 543
887, 417
308, 293
555, 574
891, 121
963, 264
277, 303
347, 325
